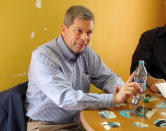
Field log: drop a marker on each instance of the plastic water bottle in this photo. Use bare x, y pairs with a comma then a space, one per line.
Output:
140, 77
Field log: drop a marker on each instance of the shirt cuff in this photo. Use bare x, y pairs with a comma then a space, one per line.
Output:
107, 100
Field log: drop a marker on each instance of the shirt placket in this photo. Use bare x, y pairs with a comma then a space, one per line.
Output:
73, 75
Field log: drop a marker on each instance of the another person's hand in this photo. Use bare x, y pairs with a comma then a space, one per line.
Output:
128, 89
151, 83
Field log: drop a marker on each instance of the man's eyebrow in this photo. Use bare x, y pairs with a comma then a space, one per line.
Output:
91, 30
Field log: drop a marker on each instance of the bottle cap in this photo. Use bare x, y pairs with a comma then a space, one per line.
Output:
141, 62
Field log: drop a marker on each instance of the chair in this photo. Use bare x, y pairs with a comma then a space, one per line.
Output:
12, 111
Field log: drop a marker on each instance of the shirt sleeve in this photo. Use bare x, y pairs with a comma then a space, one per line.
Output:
142, 52
48, 76
102, 76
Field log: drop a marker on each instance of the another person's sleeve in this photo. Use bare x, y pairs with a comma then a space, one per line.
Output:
142, 52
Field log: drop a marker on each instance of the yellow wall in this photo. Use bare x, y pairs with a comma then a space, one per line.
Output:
18, 19
118, 26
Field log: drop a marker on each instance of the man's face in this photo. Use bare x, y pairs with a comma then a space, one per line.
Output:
78, 35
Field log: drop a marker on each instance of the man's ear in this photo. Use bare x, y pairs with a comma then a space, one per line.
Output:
63, 29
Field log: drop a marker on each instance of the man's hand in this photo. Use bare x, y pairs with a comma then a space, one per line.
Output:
128, 89
151, 83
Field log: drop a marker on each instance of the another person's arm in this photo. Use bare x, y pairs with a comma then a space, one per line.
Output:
151, 83
143, 51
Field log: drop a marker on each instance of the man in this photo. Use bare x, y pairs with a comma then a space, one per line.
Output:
60, 75
151, 49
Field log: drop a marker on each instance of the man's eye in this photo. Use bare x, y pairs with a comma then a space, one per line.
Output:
89, 33
79, 31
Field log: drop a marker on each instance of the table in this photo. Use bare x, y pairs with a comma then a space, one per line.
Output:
91, 120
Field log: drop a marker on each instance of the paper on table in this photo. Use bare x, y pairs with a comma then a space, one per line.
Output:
162, 88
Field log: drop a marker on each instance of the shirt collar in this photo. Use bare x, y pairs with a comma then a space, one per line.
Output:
66, 51
163, 31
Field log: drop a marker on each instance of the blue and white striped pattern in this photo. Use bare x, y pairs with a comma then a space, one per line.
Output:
59, 83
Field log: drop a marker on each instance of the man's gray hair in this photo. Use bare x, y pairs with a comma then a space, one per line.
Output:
77, 11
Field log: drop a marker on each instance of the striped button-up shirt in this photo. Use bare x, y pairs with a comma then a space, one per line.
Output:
59, 83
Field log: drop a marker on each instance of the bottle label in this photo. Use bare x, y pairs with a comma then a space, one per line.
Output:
143, 83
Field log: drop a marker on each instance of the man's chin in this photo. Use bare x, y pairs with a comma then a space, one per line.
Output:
80, 50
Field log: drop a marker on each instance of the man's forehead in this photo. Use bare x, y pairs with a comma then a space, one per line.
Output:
82, 23
83, 20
